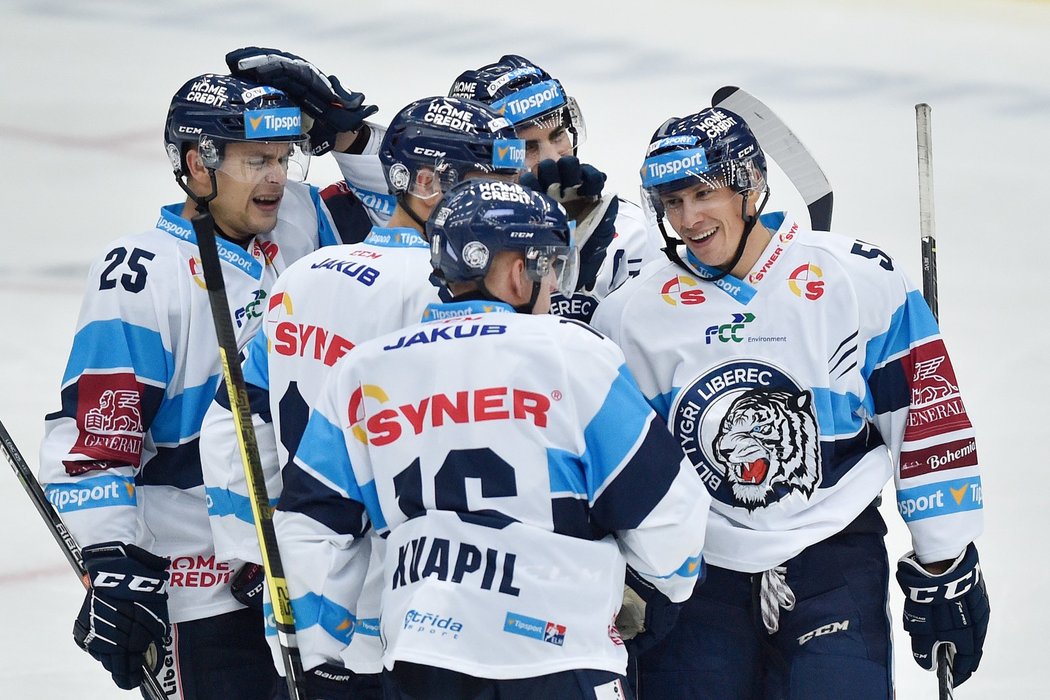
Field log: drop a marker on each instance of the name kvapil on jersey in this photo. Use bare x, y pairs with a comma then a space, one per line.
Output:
456, 562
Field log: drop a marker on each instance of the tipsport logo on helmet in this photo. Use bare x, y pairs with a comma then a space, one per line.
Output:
672, 166
530, 102
273, 123
508, 153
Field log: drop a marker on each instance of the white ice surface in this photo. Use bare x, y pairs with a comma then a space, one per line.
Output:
86, 86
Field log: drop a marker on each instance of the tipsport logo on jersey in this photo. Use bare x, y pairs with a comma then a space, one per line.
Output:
751, 432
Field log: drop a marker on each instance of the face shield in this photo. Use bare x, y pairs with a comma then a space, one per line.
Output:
560, 261
254, 162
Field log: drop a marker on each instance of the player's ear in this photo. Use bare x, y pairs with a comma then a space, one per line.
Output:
195, 166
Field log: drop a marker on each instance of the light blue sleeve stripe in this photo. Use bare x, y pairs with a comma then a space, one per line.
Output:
313, 609
223, 502
566, 475
256, 365
323, 450
325, 233
910, 323
836, 413
661, 403
179, 418
614, 430
113, 344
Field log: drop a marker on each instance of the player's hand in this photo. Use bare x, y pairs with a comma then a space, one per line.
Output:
248, 584
946, 609
125, 612
656, 612
578, 187
332, 109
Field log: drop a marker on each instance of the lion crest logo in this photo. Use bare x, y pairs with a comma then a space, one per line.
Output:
768, 439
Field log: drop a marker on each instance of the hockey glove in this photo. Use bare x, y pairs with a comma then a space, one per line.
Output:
248, 584
578, 187
647, 614
949, 608
328, 682
125, 611
332, 109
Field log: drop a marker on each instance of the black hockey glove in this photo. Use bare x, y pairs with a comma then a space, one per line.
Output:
125, 611
248, 584
644, 604
949, 608
578, 187
328, 682
321, 98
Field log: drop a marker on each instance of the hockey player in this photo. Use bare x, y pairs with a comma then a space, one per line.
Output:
511, 481
614, 238
326, 304
120, 458
799, 371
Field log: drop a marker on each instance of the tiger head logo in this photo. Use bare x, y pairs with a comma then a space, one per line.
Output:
768, 441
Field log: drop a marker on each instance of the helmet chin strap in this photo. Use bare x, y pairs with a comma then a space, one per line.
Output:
402, 200
749, 224
201, 202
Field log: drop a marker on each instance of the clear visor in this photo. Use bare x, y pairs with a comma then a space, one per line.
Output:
255, 161
560, 261
567, 122
431, 182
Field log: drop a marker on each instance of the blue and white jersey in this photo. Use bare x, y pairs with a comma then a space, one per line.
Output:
512, 483
119, 459
799, 391
319, 309
635, 244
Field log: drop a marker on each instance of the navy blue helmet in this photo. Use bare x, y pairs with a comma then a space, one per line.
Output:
713, 146
480, 218
433, 143
524, 93
212, 110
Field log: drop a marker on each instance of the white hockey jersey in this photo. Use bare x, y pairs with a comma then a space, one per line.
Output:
318, 310
119, 459
636, 242
799, 391
512, 482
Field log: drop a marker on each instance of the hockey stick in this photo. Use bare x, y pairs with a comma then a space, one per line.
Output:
924, 144
926, 230
779, 142
65, 540
204, 226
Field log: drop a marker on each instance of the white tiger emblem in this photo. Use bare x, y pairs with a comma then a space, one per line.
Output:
769, 439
